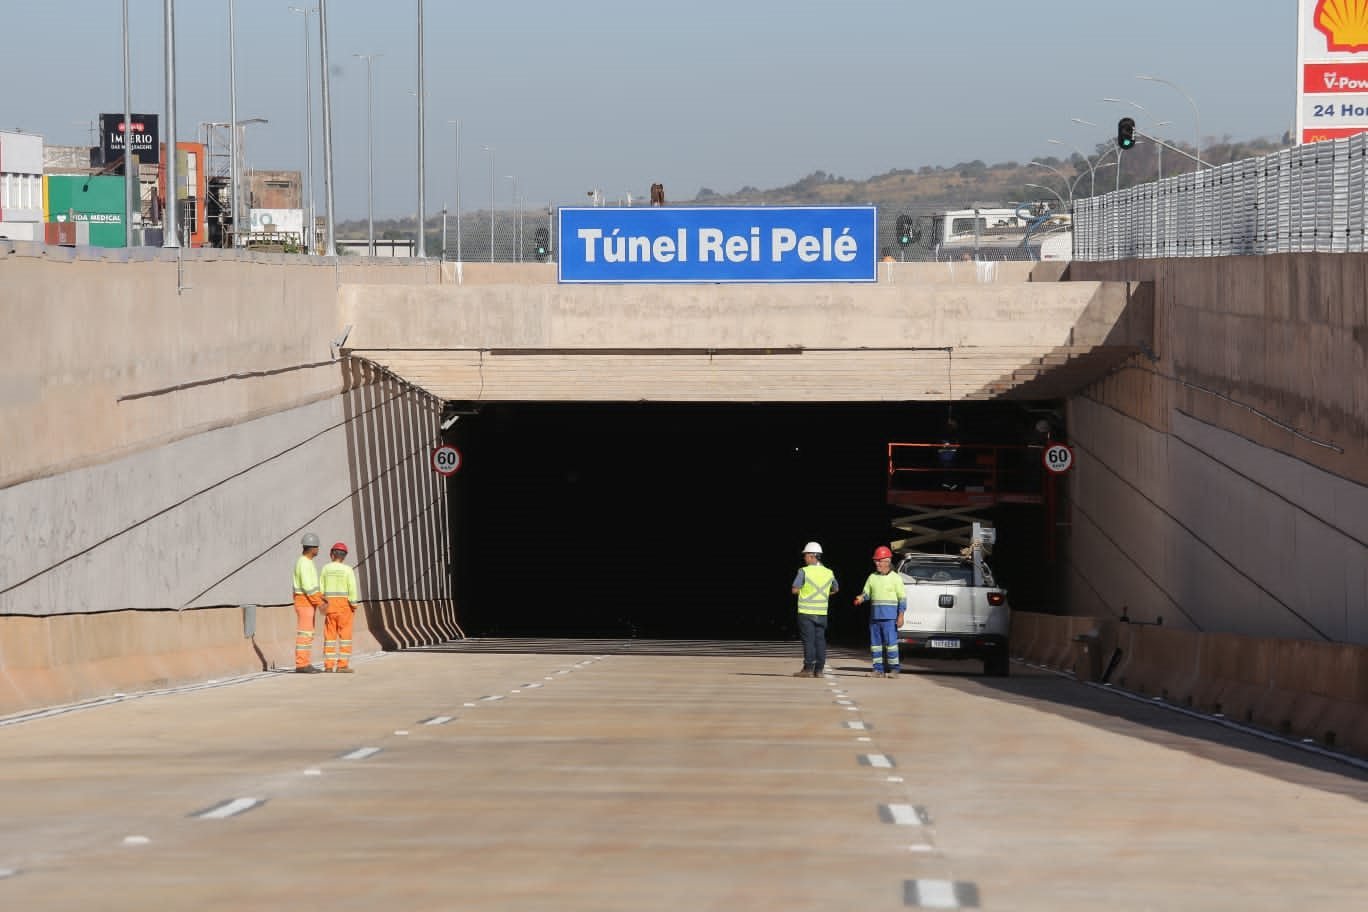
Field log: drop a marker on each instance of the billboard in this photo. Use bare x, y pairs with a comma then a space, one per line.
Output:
688, 244
145, 138
1332, 69
95, 202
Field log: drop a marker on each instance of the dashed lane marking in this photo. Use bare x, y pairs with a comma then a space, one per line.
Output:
135, 840
859, 726
490, 699
904, 814
7, 872
230, 808
361, 753
940, 894
437, 720
878, 761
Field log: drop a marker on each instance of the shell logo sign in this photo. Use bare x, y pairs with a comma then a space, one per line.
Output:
1332, 71
1344, 23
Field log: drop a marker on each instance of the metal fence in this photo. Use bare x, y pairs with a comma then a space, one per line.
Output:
1308, 199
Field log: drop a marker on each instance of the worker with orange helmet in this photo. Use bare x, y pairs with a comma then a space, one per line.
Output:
887, 599
338, 582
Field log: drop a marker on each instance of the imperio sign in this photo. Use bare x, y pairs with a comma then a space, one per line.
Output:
1332, 69
685, 244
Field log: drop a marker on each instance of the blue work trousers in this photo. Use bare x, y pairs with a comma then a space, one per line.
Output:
883, 645
812, 628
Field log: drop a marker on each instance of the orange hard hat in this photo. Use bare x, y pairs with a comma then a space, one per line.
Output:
882, 553
340, 546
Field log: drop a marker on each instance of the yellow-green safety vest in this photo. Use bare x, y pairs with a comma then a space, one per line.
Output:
816, 589
305, 576
338, 581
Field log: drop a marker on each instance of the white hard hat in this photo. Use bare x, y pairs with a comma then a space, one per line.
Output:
812, 548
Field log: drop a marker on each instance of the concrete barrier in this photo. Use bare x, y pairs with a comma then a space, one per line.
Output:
1298, 688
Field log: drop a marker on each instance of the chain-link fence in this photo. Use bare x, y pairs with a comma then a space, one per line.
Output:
1311, 198
906, 234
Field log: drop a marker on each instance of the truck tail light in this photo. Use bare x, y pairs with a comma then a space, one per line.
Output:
996, 598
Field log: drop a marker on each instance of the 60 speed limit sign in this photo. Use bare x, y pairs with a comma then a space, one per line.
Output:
1058, 458
446, 459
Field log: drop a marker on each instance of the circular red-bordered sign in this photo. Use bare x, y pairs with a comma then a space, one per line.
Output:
1058, 458
446, 459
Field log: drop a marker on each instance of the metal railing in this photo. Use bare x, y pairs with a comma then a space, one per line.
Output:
1307, 199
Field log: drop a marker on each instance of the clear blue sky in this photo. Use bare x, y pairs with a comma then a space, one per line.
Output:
692, 93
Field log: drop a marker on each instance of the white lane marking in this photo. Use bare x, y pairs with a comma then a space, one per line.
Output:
229, 808
864, 738
878, 761
548, 678
313, 771
921, 847
467, 704
7, 872
438, 720
940, 894
361, 753
845, 702
852, 709
136, 840
895, 778
903, 815
515, 691
858, 726
489, 699
533, 686
401, 731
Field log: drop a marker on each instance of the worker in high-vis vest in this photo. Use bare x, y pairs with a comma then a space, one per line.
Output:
814, 585
887, 598
339, 590
307, 601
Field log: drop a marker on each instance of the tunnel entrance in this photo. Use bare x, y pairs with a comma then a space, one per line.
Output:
686, 521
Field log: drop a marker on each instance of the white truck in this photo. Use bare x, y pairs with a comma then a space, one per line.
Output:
955, 609
1025, 232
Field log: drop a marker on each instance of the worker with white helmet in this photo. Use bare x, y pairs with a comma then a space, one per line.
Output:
814, 585
887, 597
308, 598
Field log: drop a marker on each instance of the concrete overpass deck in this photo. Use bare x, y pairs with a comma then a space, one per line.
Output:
605, 776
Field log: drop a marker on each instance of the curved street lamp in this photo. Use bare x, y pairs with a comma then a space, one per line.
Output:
1052, 191
1060, 174
1196, 114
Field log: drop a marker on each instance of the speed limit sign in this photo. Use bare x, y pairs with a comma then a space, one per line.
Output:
1058, 458
446, 459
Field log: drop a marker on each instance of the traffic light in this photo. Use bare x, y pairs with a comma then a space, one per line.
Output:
904, 230
1125, 133
541, 244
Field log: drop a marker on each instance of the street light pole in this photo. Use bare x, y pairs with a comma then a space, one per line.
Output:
1196, 114
517, 247
1051, 191
331, 249
1060, 174
130, 178
170, 222
1092, 172
370, 154
422, 142
309, 240
233, 169
490, 150
457, 124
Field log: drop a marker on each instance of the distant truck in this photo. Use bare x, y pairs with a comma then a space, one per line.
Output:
955, 609
1026, 232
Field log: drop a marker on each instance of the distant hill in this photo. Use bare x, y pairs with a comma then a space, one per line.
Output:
933, 186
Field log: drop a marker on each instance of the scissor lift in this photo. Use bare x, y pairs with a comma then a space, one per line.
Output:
946, 488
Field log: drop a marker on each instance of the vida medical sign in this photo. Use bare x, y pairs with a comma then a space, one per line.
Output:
674, 244
1332, 69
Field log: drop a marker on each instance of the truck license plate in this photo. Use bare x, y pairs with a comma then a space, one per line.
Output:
945, 644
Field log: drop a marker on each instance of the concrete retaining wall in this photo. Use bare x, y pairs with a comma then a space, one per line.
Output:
1298, 688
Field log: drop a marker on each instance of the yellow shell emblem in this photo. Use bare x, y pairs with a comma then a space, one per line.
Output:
1344, 22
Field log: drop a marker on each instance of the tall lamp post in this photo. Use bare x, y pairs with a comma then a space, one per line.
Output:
1051, 191
490, 150
370, 153
457, 125
1196, 114
130, 178
1092, 172
331, 249
517, 247
1060, 174
422, 142
234, 169
170, 213
308, 130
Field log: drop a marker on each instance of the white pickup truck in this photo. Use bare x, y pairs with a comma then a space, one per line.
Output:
955, 609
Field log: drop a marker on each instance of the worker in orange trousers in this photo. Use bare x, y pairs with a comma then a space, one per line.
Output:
338, 582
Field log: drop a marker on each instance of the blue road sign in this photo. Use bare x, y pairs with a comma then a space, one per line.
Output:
669, 244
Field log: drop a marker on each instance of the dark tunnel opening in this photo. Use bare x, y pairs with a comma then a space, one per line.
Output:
686, 521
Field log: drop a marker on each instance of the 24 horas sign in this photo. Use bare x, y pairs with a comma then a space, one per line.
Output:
684, 244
